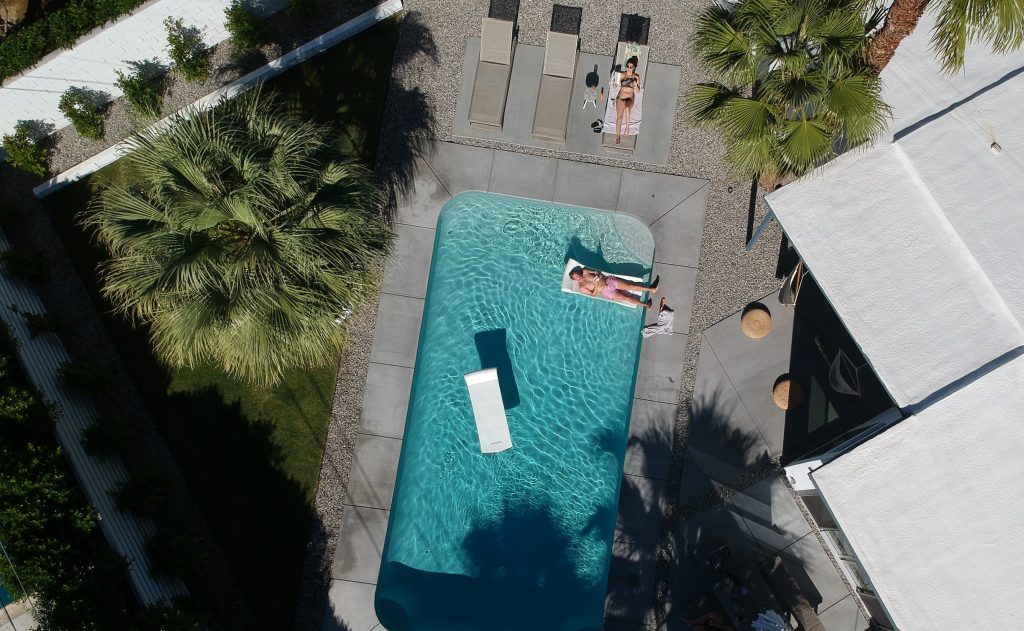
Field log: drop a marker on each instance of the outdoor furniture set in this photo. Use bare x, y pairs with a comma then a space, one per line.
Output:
498, 38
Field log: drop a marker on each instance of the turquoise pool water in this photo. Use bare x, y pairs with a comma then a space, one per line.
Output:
519, 539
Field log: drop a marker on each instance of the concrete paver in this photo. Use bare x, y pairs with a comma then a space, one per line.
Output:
843, 616
409, 267
590, 185
814, 572
724, 440
400, 316
651, 195
661, 368
641, 507
523, 175
677, 286
350, 607
649, 450
360, 547
631, 582
677, 235
771, 514
374, 469
386, 400
421, 204
462, 167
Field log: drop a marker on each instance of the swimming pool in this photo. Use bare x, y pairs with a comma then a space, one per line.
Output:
519, 539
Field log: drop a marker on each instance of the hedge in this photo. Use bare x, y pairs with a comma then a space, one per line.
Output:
59, 29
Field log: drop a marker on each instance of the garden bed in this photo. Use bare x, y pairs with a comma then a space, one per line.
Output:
251, 457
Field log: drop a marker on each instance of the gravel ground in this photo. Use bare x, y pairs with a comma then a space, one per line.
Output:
727, 276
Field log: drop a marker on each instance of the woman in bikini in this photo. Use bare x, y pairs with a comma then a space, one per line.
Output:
595, 283
629, 82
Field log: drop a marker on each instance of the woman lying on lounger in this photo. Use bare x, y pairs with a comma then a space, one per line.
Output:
629, 82
596, 283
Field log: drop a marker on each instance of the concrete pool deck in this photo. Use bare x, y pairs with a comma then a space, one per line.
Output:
673, 208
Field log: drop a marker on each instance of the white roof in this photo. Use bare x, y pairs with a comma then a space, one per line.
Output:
916, 242
934, 508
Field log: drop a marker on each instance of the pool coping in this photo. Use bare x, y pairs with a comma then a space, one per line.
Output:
675, 216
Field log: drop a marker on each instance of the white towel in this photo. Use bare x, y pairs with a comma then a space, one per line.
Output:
666, 318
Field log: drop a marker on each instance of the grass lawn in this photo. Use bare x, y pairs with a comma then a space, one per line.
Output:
251, 456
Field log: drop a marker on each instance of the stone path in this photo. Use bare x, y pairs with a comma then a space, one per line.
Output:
673, 207
93, 61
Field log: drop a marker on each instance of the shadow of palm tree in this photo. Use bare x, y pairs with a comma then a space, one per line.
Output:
596, 259
523, 568
408, 122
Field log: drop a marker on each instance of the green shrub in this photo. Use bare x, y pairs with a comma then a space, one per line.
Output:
305, 9
70, 23
58, 29
83, 375
108, 436
174, 553
24, 151
82, 107
48, 529
140, 92
144, 493
248, 31
30, 266
187, 50
39, 323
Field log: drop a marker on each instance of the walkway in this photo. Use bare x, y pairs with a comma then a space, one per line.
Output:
673, 207
92, 63
732, 491
41, 357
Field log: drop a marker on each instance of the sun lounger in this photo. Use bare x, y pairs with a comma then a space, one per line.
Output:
551, 118
488, 410
572, 287
623, 52
493, 72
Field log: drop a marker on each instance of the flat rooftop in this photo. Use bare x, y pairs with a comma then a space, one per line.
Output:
933, 508
915, 241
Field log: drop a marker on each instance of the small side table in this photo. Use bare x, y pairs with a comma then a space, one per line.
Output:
590, 96
756, 321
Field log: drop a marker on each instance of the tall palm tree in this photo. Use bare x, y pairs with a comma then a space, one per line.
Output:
792, 84
998, 23
242, 236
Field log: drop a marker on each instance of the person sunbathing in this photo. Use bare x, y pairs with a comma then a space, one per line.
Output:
629, 82
596, 283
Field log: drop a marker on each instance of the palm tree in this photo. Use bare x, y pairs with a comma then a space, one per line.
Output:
998, 23
793, 84
241, 236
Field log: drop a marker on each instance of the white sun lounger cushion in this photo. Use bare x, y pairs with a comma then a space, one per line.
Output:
488, 410
572, 287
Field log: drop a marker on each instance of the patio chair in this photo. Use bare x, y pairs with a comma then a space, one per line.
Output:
791, 284
551, 117
493, 73
488, 410
843, 375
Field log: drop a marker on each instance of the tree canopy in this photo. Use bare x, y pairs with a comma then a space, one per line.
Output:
242, 236
793, 85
